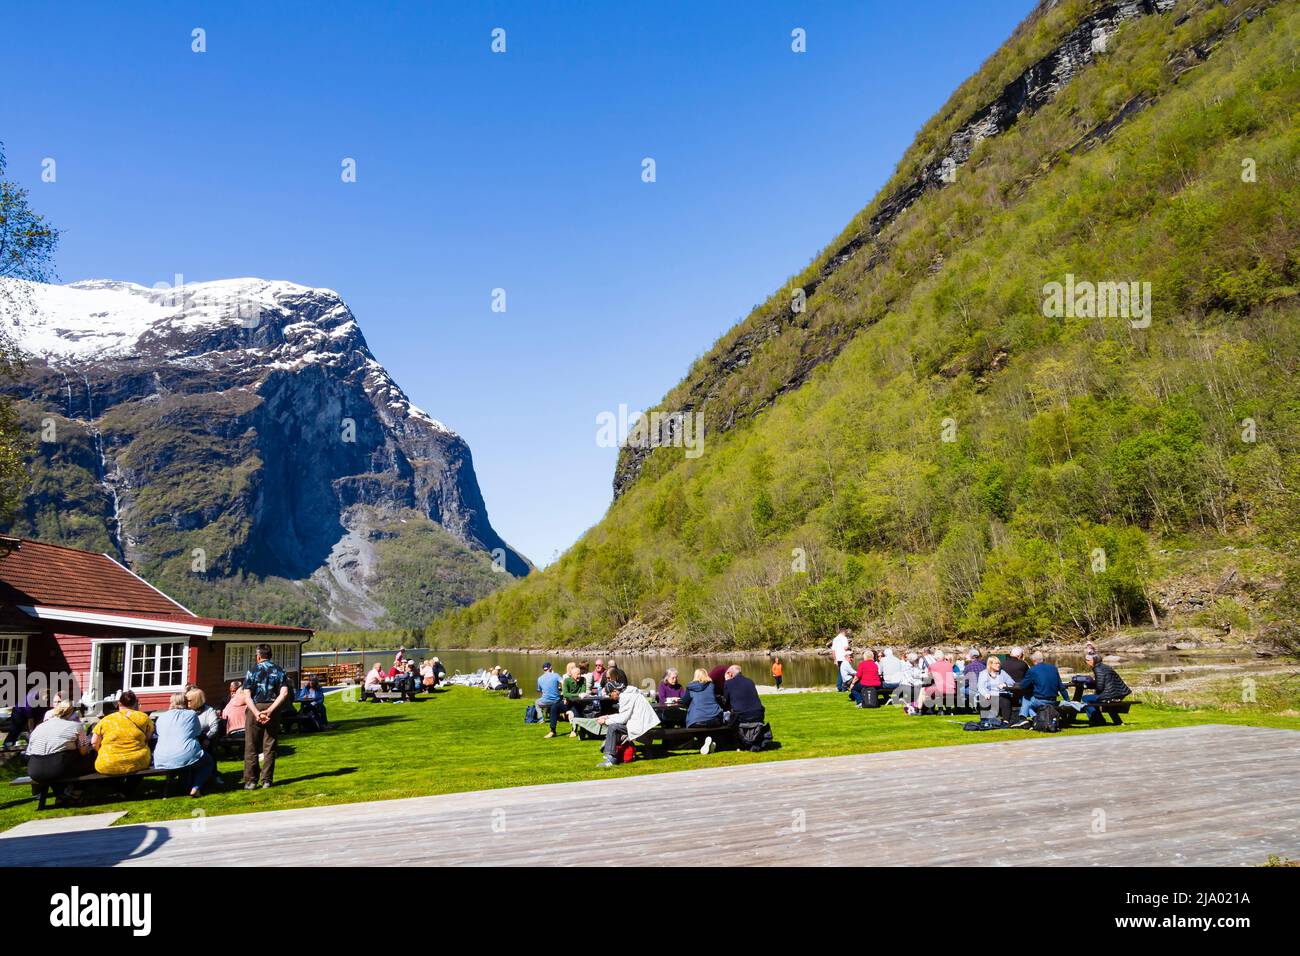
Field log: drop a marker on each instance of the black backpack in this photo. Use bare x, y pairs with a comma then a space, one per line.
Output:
753, 737
1047, 720
514, 693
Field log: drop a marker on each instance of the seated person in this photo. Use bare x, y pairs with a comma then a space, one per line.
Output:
58, 747
614, 675
596, 680
993, 688
1042, 685
635, 716
942, 694
440, 670
719, 677
428, 679
1109, 685
701, 701
670, 688
209, 719
122, 738
742, 698
847, 669
312, 699
376, 680
914, 677
891, 671
866, 676
548, 689
24, 718
233, 712
1015, 665
180, 744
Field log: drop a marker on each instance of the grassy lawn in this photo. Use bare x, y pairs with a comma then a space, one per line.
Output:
467, 739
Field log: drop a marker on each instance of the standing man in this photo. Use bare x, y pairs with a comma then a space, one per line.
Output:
840, 647
264, 691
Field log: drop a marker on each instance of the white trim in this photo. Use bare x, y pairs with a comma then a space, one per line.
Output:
94, 693
147, 584
131, 646
115, 620
259, 637
23, 636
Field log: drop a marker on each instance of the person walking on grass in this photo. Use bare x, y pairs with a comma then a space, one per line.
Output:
265, 690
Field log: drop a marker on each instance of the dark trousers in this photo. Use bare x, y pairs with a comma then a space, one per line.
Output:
201, 772
260, 739
777, 680
60, 766
999, 706
615, 734
19, 720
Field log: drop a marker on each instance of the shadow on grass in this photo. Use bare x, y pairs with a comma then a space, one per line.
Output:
338, 772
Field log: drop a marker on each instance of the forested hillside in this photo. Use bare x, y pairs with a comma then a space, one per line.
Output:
931, 446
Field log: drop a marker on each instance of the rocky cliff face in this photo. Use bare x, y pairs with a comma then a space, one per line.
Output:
243, 430
1030, 91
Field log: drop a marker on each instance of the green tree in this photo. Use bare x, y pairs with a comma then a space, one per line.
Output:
27, 244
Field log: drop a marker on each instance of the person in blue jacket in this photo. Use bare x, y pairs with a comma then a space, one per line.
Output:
1041, 685
701, 702
548, 686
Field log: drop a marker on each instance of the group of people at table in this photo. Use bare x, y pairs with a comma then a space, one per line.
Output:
713, 698
126, 740
933, 680
404, 676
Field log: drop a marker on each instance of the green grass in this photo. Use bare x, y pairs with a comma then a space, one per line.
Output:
465, 739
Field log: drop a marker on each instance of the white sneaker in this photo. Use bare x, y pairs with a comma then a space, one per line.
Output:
709, 746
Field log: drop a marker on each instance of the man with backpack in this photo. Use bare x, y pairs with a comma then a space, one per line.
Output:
1041, 687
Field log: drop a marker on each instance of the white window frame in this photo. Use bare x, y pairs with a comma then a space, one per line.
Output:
133, 646
288, 654
6, 642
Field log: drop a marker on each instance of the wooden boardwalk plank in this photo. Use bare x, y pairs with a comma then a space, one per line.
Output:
1207, 795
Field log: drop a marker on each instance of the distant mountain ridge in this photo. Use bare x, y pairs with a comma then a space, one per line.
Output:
239, 440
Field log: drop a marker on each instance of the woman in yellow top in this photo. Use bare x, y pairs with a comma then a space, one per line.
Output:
122, 738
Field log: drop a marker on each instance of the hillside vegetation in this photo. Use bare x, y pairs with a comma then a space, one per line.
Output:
954, 460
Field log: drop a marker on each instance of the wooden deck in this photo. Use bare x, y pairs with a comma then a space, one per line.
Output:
1209, 795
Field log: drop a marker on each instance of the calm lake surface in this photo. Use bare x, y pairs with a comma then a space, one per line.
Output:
802, 670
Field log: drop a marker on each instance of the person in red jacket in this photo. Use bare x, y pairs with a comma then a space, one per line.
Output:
865, 679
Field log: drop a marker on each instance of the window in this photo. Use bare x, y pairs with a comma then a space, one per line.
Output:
157, 665
241, 657
13, 650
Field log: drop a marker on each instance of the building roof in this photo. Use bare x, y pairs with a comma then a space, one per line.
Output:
52, 582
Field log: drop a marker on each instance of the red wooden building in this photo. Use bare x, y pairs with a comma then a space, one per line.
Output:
68, 613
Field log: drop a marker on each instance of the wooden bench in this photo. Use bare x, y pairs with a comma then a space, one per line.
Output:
385, 696
660, 740
42, 790
1111, 707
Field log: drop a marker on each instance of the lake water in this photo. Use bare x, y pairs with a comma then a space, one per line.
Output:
800, 671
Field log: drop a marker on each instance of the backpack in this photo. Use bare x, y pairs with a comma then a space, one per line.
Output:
753, 737
514, 693
1047, 720
625, 753
531, 716
985, 723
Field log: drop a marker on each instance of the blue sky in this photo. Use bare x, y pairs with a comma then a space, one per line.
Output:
478, 171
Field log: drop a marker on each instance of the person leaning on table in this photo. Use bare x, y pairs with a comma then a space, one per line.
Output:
180, 744
634, 718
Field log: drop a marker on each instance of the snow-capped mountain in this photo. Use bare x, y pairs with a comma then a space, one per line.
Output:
245, 421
